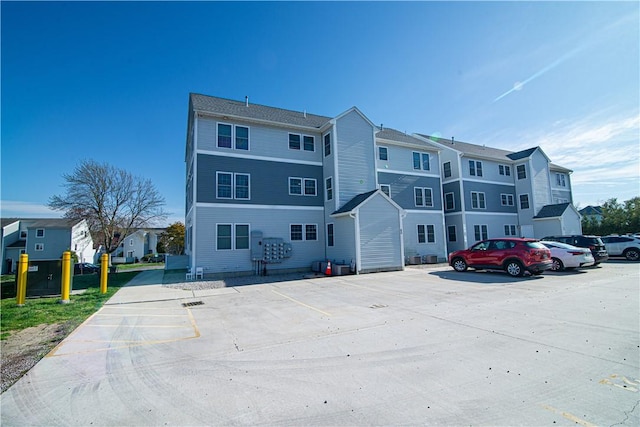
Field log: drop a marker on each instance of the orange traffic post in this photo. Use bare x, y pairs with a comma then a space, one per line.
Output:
66, 277
21, 279
104, 266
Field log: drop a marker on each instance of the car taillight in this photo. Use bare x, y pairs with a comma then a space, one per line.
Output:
576, 252
592, 247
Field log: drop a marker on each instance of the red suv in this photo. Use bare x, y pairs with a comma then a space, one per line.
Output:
513, 255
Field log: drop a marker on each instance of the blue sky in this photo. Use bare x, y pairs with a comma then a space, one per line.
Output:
110, 81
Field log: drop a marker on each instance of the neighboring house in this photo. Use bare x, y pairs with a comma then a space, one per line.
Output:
316, 187
44, 240
139, 243
490, 192
590, 212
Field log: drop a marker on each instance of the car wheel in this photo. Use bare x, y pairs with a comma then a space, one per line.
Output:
514, 268
459, 264
632, 254
556, 265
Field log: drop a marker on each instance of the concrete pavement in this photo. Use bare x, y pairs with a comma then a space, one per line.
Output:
429, 347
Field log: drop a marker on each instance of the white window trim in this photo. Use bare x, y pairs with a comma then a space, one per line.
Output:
524, 167
37, 230
453, 199
303, 182
218, 134
511, 226
326, 189
426, 234
333, 227
233, 136
304, 232
39, 247
507, 196
504, 170
484, 198
455, 233
234, 185
386, 150
314, 143
233, 236
424, 198
420, 153
388, 186
289, 141
324, 150
218, 173
483, 236
475, 168
444, 175
520, 202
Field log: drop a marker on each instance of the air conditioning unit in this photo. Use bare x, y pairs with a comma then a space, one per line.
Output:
415, 260
431, 259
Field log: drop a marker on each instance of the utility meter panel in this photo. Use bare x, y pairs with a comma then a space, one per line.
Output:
269, 250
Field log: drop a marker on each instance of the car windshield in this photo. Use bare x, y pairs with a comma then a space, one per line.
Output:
535, 245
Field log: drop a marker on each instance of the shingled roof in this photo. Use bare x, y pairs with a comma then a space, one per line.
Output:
473, 149
396, 135
552, 211
354, 203
247, 110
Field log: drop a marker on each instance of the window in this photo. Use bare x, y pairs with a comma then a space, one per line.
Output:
423, 196
242, 236
327, 144
560, 180
224, 237
421, 161
294, 142
311, 232
39, 232
522, 172
23, 234
509, 230
130, 242
232, 186
224, 135
451, 233
330, 237
295, 186
386, 189
296, 232
504, 170
480, 232
309, 143
328, 184
39, 247
383, 153
475, 168
446, 169
426, 233
477, 200
506, 199
298, 185
309, 187
242, 186
449, 203
524, 201
242, 138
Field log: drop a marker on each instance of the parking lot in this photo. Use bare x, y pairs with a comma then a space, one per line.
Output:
422, 346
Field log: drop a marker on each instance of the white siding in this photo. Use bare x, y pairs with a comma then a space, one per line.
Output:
356, 156
380, 237
410, 234
344, 248
541, 184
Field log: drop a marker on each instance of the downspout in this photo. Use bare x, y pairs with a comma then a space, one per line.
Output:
356, 223
463, 212
195, 195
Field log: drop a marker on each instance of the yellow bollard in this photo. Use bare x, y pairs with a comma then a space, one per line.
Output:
104, 266
21, 279
66, 277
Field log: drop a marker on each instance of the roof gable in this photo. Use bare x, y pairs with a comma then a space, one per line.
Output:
360, 200
552, 211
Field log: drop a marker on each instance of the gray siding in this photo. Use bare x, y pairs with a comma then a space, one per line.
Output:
402, 189
410, 235
56, 241
541, 184
356, 156
344, 248
492, 194
461, 242
272, 223
380, 237
452, 187
269, 182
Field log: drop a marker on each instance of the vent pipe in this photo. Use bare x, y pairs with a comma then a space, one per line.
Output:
451, 140
305, 113
246, 101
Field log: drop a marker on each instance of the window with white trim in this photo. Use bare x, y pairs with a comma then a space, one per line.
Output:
130, 242
302, 186
504, 170
423, 196
302, 232
383, 153
449, 202
426, 233
233, 186
39, 247
521, 171
39, 232
327, 144
524, 201
475, 168
230, 136
480, 232
509, 230
446, 169
308, 143
328, 187
310, 232
232, 237
478, 200
330, 235
294, 141
451, 233
386, 189
421, 161
506, 199
560, 180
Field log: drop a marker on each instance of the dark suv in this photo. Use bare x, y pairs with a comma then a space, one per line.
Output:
592, 242
513, 255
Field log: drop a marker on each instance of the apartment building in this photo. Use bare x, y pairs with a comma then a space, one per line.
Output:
490, 192
280, 189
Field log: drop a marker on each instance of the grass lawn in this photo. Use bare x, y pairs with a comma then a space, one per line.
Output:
37, 311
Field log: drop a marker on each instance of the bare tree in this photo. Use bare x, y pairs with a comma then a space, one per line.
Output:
113, 201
